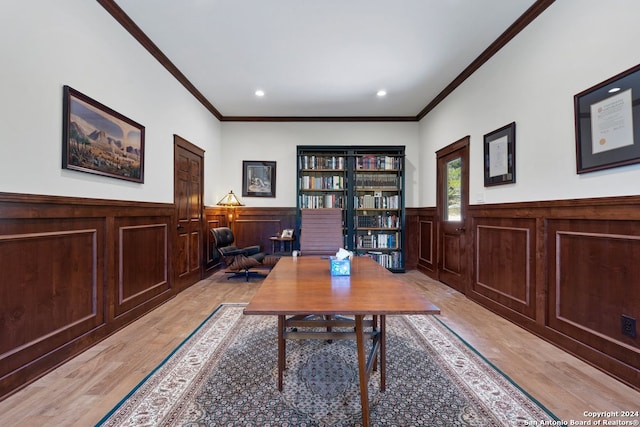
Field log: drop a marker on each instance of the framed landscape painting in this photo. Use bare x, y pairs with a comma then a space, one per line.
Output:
99, 140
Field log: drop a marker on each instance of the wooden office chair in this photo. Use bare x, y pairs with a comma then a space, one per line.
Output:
321, 232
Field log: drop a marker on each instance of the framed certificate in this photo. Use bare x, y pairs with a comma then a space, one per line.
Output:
500, 156
607, 119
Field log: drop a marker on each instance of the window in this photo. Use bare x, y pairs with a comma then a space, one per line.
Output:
453, 190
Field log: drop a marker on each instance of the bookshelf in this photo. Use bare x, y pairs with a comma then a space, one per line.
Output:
367, 183
322, 180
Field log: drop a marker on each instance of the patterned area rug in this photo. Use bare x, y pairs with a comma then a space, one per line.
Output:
225, 373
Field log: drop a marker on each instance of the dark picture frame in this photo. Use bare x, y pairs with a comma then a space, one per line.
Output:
258, 178
607, 122
500, 156
99, 140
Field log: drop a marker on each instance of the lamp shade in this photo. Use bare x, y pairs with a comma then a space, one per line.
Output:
229, 200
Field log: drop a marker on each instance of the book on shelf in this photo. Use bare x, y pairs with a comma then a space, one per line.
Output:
391, 260
312, 161
369, 201
308, 201
377, 180
377, 241
378, 221
325, 182
374, 162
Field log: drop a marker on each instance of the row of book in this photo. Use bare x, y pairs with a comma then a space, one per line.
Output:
335, 182
377, 180
308, 201
369, 201
378, 221
372, 162
366, 162
392, 260
377, 241
321, 162
321, 201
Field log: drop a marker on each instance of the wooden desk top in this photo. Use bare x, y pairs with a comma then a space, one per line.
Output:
304, 285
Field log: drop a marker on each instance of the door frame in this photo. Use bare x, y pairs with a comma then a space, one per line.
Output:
462, 145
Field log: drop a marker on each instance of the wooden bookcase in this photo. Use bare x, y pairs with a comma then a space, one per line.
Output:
367, 183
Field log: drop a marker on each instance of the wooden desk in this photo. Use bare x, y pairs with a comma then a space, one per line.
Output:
301, 286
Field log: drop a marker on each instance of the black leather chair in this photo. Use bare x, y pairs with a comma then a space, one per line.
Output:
240, 261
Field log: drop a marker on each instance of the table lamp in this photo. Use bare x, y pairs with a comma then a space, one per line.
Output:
230, 201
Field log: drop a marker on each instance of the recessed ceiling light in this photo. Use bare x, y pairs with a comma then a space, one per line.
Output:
381, 93
615, 89
259, 92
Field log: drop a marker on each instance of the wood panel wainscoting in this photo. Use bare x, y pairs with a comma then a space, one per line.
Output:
421, 240
74, 271
567, 271
250, 225
214, 217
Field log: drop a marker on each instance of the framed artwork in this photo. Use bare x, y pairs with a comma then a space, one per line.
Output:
607, 121
500, 156
287, 233
258, 179
99, 140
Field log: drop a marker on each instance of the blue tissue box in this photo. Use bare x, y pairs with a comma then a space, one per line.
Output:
340, 267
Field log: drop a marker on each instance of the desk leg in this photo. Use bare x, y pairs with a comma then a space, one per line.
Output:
282, 350
375, 328
383, 352
362, 371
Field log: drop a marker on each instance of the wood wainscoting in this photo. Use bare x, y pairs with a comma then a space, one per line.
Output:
214, 217
421, 240
565, 270
251, 226
74, 271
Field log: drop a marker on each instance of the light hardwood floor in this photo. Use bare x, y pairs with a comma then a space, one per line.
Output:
82, 391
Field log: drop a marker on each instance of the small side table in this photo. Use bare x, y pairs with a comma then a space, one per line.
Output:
283, 241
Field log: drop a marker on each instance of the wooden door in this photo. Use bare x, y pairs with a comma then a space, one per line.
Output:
452, 203
188, 200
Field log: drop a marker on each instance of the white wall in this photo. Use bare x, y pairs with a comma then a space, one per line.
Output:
572, 46
47, 44
44, 45
276, 141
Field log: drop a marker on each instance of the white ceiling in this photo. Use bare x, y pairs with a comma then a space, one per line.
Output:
322, 58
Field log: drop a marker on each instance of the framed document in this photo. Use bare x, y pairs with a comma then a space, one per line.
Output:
607, 123
500, 156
